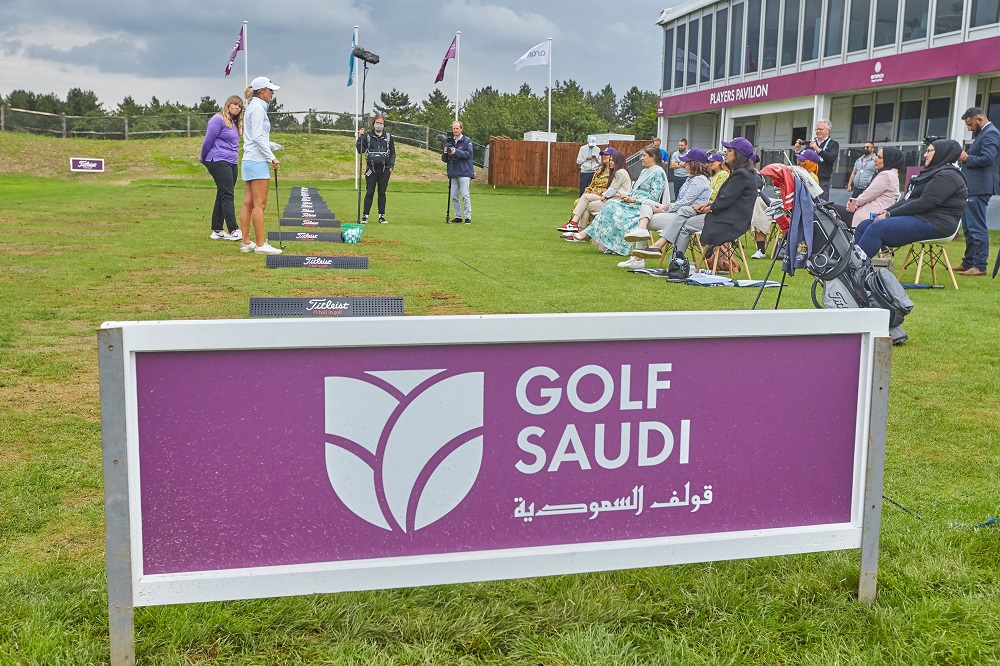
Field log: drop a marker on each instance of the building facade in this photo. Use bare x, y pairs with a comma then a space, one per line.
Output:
887, 71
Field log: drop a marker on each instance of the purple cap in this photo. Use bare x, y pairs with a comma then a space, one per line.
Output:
808, 155
742, 146
607, 151
716, 157
694, 155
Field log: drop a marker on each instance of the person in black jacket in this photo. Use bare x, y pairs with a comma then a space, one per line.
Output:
380, 162
932, 209
828, 151
729, 216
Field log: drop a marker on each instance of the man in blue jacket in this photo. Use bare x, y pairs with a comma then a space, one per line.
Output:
458, 156
980, 166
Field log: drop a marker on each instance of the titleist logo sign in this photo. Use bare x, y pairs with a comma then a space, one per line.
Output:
317, 261
326, 304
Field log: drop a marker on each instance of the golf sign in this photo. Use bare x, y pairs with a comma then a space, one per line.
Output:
95, 164
451, 449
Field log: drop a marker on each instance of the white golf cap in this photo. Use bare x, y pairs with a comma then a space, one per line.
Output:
592, 141
263, 82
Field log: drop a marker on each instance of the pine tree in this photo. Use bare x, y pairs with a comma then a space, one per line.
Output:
396, 106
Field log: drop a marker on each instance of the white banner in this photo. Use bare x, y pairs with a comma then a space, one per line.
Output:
536, 55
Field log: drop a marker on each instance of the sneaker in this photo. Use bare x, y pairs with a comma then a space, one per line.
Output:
637, 235
468, 220
568, 234
758, 255
364, 219
456, 220
382, 220
236, 235
648, 253
632, 262
249, 246
219, 235
569, 226
267, 248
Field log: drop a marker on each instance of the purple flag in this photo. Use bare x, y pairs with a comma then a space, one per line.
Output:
236, 49
447, 56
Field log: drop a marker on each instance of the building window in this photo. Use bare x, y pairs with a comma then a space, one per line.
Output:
908, 127
680, 60
937, 116
915, 19
993, 109
668, 57
948, 17
706, 48
834, 28
721, 22
736, 35
772, 12
790, 33
886, 13
753, 36
810, 30
882, 130
857, 34
693, 61
984, 12
860, 123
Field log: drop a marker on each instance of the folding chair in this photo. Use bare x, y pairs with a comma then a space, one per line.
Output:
935, 251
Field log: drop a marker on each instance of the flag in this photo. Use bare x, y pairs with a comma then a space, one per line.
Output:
537, 55
447, 56
236, 49
350, 65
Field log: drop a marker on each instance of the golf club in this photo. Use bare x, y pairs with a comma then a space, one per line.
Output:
277, 207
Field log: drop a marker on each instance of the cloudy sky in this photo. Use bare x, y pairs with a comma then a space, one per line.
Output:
177, 50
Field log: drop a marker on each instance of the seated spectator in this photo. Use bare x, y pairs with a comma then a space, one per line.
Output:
932, 210
808, 159
696, 190
882, 191
618, 217
614, 183
685, 221
728, 217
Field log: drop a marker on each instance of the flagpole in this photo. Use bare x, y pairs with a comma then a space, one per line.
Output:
458, 68
357, 156
548, 137
246, 58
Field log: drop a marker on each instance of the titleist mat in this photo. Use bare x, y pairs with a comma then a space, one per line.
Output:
304, 261
305, 236
332, 306
308, 222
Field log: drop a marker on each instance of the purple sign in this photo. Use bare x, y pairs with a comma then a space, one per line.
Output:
340, 454
86, 164
981, 55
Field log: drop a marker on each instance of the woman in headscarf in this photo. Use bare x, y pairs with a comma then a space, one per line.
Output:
932, 209
883, 191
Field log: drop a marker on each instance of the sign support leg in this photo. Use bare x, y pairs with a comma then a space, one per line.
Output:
875, 471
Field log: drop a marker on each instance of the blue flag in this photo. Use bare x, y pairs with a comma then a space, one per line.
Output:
350, 71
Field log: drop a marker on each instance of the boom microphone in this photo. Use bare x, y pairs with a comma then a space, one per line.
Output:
365, 55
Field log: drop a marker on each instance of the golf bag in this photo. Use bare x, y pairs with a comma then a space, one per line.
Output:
847, 276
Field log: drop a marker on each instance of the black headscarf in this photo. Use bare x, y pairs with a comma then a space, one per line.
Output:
893, 158
946, 153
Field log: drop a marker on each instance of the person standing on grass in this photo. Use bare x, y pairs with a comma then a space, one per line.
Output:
588, 158
863, 172
458, 156
380, 162
257, 153
218, 154
980, 166
680, 173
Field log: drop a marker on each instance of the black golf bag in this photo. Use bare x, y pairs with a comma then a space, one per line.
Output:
847, 277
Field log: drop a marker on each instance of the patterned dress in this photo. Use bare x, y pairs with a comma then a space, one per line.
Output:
617, 218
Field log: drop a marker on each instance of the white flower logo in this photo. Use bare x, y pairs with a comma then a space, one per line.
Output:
878, 66
405, 449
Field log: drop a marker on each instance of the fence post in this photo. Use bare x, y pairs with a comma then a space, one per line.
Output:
63, 125
189, 124
126, 128
3, 118
427, 137
309, 122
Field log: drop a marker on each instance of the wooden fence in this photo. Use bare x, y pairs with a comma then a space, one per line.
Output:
523, 162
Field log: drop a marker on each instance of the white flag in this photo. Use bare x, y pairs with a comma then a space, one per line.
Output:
537, 55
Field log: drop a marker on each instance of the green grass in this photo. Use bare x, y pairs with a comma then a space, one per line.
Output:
134, 245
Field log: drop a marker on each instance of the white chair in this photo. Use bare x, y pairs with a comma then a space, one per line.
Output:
935, 251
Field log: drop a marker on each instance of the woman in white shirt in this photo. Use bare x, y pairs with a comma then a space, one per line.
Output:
257, 153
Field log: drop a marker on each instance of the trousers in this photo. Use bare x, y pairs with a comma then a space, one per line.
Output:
375, 177
224, 175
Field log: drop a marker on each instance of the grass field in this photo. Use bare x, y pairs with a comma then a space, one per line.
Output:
132, 244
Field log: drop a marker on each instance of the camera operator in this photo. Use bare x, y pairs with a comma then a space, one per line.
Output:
827, 149
458, 156
380, 162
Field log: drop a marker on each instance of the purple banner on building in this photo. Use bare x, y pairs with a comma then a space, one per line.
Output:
86, 164
360, 453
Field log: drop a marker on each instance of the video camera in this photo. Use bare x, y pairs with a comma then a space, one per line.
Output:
447, 142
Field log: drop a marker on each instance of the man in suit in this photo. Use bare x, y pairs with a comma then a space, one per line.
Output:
980, 165
828, 150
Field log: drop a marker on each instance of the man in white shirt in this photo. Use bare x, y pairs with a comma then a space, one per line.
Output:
589, 159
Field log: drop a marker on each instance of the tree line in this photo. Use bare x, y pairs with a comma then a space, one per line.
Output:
487, 112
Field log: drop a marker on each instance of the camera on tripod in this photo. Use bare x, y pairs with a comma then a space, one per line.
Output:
447, 143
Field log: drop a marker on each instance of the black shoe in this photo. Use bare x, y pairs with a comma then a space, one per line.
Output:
456, 220
468, 220
382, 220
364, 219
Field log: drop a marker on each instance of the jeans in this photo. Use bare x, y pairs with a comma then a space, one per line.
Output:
893, 232
678, 184
224, 175
460, 186
375, 177
585, 178
977, 237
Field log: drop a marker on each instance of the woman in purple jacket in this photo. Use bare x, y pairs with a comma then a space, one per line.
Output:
218, 154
